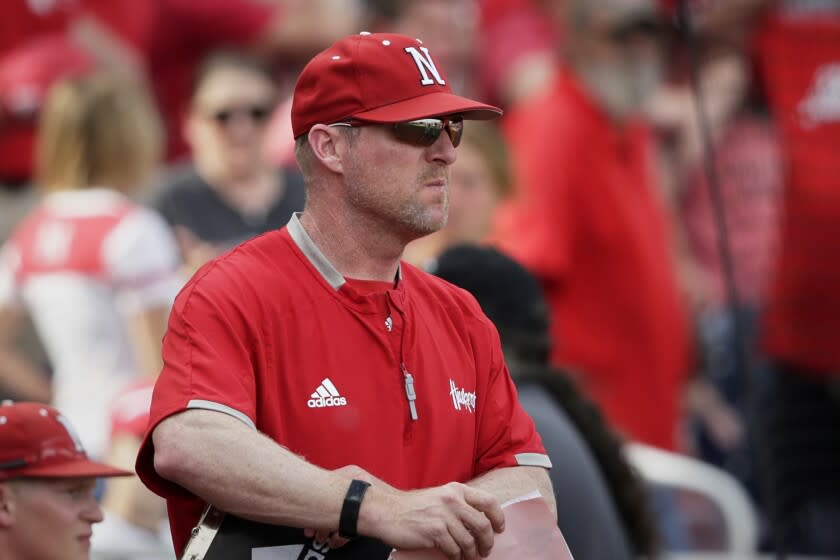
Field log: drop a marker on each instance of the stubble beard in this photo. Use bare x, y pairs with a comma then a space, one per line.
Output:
622, 89
421, 220
409, 217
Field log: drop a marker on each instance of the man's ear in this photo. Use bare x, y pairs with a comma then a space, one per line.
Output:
328, 146
7, 505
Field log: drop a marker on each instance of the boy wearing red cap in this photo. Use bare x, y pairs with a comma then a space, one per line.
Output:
47, 506
318, 337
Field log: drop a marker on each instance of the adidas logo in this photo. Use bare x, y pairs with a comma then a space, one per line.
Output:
326, 395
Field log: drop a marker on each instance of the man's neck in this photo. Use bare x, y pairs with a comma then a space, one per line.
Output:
357, 247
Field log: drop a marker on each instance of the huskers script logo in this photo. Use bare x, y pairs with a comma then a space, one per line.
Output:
425, 64
461, 399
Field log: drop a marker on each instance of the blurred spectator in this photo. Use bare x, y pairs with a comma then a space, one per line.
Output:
601, 503
479, 181
796, 404
798, 54
47, 504
748, 159
590, 222
518, 45
231, 194
135, 526
748, 167
96, 272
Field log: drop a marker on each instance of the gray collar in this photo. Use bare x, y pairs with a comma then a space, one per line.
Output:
316, 257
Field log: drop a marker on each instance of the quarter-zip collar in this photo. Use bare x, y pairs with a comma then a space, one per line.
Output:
363, 302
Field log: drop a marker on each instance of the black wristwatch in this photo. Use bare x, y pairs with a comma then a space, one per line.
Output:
349, 519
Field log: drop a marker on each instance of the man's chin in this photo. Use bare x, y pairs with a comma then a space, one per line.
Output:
427, 227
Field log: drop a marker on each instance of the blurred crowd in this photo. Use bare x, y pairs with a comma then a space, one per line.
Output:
654, 223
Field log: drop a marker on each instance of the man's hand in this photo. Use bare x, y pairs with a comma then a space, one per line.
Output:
456, 519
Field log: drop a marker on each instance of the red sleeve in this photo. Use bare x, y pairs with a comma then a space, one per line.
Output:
535, 226
239, 22
506, 434
210, 361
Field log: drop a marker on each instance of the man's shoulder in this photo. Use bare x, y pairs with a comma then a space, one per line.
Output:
181, 185
549, 124
552, 103
267, 259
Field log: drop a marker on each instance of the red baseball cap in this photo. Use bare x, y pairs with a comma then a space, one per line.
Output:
37, 441
380, 78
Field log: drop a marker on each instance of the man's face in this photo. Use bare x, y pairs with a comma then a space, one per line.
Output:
226, 127
622, 68
403, 186
475, 196
52, 519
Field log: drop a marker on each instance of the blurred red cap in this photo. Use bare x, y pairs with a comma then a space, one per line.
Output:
37, 441
377, 77
26, 74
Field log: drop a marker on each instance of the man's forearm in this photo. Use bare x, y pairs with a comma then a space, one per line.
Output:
239, 470
508, 483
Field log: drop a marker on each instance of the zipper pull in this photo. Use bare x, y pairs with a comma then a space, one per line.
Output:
409, 392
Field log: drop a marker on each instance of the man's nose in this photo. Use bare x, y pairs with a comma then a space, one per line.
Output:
442, 151
92, 513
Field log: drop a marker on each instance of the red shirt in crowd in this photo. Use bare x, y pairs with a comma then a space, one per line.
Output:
26, 19
273, 335
748, 159
588, 221
509, 32
799, 59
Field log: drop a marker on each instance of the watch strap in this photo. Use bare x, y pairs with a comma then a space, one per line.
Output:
349, 518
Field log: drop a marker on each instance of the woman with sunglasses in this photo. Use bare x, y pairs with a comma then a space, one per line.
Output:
229, 193
340, 375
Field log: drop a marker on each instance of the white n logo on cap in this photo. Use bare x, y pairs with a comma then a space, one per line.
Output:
424, 62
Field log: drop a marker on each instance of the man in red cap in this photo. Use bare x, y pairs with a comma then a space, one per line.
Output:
313, 380
47, 506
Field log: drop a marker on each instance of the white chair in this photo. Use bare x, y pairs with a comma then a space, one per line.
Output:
670, 470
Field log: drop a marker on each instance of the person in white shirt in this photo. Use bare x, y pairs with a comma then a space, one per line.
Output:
95, 272
135, 525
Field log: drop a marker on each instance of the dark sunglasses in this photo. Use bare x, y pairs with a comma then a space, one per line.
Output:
257, 113
422, 132
638, 29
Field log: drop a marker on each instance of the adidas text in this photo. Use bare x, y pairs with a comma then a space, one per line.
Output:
322, 402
